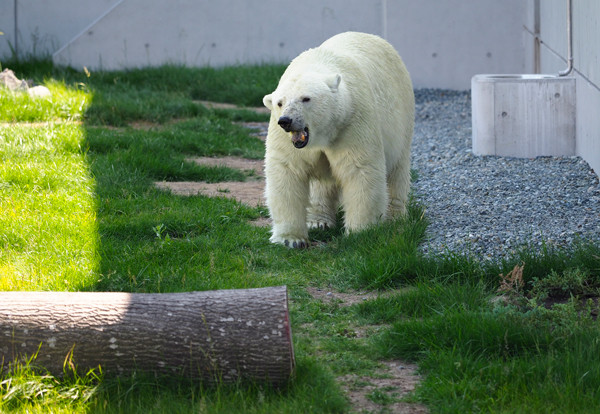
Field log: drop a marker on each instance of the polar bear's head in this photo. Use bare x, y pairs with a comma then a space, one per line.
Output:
309, 107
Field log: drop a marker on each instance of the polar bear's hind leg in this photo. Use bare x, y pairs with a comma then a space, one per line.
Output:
323, 204
398, 182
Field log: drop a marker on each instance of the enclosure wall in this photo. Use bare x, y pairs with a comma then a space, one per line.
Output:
586, 53
444, 43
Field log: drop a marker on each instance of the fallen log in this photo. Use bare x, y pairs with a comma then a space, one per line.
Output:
215, 336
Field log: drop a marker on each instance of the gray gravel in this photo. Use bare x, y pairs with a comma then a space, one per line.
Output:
491, 206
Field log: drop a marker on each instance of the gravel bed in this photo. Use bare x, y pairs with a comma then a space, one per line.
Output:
491, 206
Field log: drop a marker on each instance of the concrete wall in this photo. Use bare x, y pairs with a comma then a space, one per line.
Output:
586, 52
217, 33
43, 26
444, 43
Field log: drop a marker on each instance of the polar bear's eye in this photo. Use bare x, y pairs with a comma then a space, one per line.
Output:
279, 104
306, 99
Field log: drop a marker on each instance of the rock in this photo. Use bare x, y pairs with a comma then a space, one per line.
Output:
39, 92
9, 80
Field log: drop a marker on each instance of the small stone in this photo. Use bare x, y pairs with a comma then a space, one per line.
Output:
39, 92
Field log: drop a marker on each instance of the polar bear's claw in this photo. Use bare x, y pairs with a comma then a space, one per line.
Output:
301, 244
293, 243
321, 225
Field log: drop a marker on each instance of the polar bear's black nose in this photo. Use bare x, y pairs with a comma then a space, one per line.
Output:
285, 122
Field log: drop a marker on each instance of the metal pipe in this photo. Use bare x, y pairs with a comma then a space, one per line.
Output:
384, 19
536, 38
16, 33
569, 41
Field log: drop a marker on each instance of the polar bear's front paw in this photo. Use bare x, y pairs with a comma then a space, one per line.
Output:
290, 241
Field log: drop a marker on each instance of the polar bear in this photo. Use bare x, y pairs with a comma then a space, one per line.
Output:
340, 131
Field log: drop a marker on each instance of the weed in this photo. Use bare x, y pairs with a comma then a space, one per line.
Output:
572, 282
381, 397
25, 384
512, 282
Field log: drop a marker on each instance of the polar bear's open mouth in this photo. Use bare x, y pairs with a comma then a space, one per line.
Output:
300, 138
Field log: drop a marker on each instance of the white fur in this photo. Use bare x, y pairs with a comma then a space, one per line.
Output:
355, 95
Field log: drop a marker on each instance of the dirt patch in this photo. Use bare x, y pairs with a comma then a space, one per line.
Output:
220, 105
259, 129
247, 192
349, 298
144, 125
382, 391
261, 222
344, 299
245, 164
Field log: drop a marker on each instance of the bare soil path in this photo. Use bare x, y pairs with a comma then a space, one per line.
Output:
250, 192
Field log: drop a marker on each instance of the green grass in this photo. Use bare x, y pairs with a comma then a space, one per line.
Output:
78, 211
48, 231
153, 95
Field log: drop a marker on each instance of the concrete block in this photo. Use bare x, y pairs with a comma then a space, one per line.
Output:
523, 116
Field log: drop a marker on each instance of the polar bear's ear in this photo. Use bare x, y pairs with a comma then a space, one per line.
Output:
268, 101
334, 82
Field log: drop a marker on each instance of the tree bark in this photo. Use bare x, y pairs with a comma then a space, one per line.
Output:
215, 336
